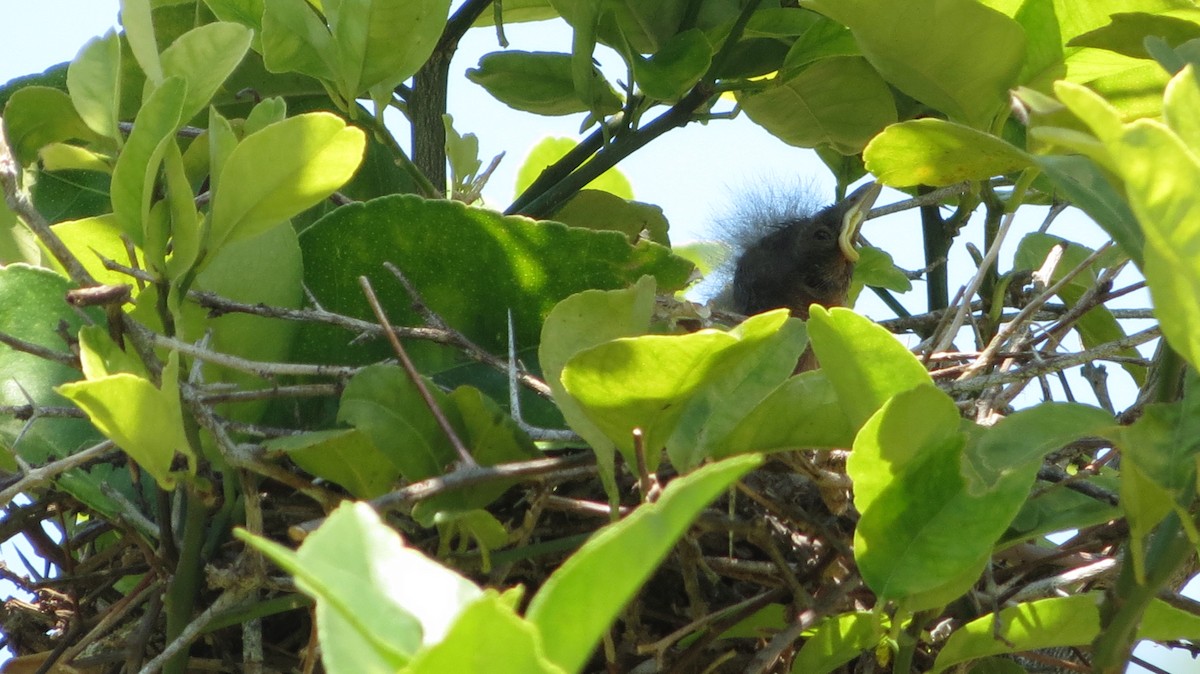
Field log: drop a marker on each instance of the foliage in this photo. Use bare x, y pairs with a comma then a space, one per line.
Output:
223, 316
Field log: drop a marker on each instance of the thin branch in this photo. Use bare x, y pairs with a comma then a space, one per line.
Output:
38, 476
1101, 352
988, 354
464, 478
973, 287
18, 344
418, 381
265, 370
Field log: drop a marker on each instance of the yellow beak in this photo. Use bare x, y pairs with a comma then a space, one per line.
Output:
858, 205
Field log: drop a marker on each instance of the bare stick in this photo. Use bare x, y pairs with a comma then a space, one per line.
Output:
43, 474
987, 355
988, 260
464, 478
417, 380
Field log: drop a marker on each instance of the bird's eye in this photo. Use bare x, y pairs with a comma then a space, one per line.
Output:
822, 235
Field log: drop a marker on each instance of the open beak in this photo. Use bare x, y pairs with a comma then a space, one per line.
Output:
857, 206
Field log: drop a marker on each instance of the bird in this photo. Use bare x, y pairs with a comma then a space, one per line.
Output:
802, 260
795, 258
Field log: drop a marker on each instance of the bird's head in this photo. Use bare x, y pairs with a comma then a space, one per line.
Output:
802, 259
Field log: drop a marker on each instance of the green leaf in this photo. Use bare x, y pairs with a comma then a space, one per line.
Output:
820, 39
462, 153
471, 266
345, 457
382, 402
579, 601
1158, 468
1127, 31
876, 268
578, 323
487, 637
137, 168
550, 150
1022, 439
541, 83
32, 302
38, 116
378, 600
838, 101
674, 69
957, 56
1160, 175
249, 13
281, 171
1182, 93
382, 41
138, 22
1085, 185
923, 537
1045, 623
595, 209
1055, 508
94, 80
936, 152
804, 412
90, 239
295, 39
865, 363
264, 114
1163, 622
685, 392
836, 641
205, 57
264, 269
143, 420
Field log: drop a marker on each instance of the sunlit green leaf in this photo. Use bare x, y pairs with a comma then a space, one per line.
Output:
579, 601
282, 170
1025, 437
138, 22
144, 420
487, 637
804, 412
956, 55
37, 116
838, 101
378, 600
937, 152
382, 41
204, 57
580, 322
550, 150
864, 362
683, 392
137, 168
294, 38
1058, 621
836, 641
93, 79
345, 457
